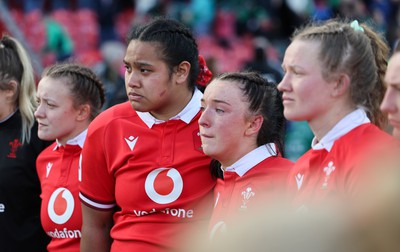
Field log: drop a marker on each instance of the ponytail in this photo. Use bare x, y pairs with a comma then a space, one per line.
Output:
15, 64
374, 98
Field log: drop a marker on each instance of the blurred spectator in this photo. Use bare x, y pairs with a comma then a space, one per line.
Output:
354, 9
203, 12
107, 12
322, 10
58, 41
224, 26
111, 72
260, 62
177, 9
47, 37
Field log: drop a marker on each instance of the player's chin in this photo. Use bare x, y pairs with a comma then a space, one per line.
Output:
46, 136
207, 149
139, 106
396, 132
291, 114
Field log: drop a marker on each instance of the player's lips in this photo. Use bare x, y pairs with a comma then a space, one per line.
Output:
286, 99
132, 96
394, 123
205, 135
41, 124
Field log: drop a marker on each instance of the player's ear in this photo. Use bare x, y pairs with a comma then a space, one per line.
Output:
254, 125
182, 72
341, 85
83, 112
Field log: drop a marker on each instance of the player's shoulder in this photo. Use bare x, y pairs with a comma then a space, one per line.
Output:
366, 135
48, 151
364, 144
117, 112
278, 162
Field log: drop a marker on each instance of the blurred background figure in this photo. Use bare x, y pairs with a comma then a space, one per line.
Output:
261, 63
111, 72
19, 146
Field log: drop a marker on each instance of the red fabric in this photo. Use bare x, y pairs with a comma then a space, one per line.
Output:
117, 168
239, 197
346, 162
61, 219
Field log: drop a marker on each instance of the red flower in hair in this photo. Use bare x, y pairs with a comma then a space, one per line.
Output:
205, 74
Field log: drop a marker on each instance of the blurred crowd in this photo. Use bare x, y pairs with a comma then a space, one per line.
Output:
227, 31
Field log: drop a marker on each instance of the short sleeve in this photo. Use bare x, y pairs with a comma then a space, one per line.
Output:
97, 183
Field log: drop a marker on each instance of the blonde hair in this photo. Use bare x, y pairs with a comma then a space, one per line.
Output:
15, 64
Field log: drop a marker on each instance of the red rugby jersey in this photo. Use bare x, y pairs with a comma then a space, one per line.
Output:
155, 172
322, 176
61, 213
239, 196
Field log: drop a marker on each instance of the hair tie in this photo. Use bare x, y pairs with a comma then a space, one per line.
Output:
356, 26
205, 74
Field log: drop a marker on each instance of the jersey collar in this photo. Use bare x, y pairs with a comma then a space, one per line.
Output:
186, 115
252, 159
349, 122
78, 140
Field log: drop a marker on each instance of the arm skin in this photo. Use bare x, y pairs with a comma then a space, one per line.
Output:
96, 228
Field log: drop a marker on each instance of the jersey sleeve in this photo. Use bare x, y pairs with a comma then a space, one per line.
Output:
97, 182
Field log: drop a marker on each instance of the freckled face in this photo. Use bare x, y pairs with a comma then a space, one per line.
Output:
149, 83
391, 101
223, 121
55, 114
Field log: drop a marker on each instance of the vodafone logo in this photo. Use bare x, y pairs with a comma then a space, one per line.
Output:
61, 205
164, 185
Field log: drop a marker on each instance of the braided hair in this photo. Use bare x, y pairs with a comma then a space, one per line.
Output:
85, 86
175, 41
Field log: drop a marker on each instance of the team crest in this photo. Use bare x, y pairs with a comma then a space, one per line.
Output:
247, 195
14, 146
328, 171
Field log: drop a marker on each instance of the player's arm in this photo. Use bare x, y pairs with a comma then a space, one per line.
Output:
96, 230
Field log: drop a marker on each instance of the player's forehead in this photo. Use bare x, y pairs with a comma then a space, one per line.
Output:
142, 51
